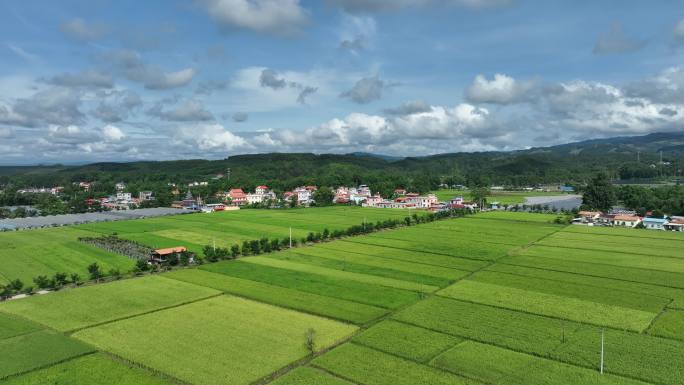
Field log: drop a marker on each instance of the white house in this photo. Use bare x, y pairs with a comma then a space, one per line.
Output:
423, 202
124, 197
654, 223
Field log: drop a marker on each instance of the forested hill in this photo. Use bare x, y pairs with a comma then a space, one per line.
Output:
622, 158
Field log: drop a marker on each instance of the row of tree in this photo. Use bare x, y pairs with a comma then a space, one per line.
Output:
601, 194
215, 254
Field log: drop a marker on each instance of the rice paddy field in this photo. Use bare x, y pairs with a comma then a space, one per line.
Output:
30, 253
494, 298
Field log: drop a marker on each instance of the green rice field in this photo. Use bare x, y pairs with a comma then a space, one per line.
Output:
494, 298
27, 254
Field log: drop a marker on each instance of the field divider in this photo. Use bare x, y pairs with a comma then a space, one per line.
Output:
94, 351
152, 371
362, 328
224, 292
575, 283
541, 315
610, 251
593, 275
341, 377
409, 261
422, 251
72, 331
655, 319
592, 367
411, 360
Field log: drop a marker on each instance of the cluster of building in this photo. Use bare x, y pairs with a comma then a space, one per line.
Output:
237, 197
42, 190
122, 200
401, 200
628, 218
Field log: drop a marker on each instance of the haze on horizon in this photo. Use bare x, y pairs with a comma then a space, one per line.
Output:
93, 80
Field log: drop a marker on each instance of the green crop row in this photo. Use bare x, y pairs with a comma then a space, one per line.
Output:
328, 286
633, 355
34, 350
77, 308
308, 302
92, 369
222, 340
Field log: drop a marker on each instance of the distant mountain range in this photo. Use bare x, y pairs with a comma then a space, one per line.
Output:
635, 156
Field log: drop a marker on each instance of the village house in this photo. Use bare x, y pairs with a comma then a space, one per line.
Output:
399, 192
237, 196
213, 207
422, 202
121, 186
654, 223
675, 224
342, 194
261, 194
587, 218
85, 186
626, 220
163, 255
146, 195
375, 200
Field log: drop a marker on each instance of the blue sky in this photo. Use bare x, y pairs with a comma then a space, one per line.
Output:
124, 80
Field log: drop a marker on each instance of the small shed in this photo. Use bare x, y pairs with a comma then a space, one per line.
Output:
162, 255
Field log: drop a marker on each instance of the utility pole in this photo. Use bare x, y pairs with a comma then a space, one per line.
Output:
290, 237
602, 350
638, 156
214, 241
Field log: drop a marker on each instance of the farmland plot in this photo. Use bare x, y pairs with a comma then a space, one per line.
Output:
27, 254
564, 341
26, 352
92, 369
465, 248
639, 261
641, 294
417, 271
340, 274
329, 286
354, 312
670, 324
391, 253
77, 308
550, 304
493, 365
406, 341
309, 376
371, 367
11, 326
222, 340
533, 258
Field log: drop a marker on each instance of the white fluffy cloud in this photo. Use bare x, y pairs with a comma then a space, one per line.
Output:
358, 131
112, 133
208, 137
275, 17
501, 89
